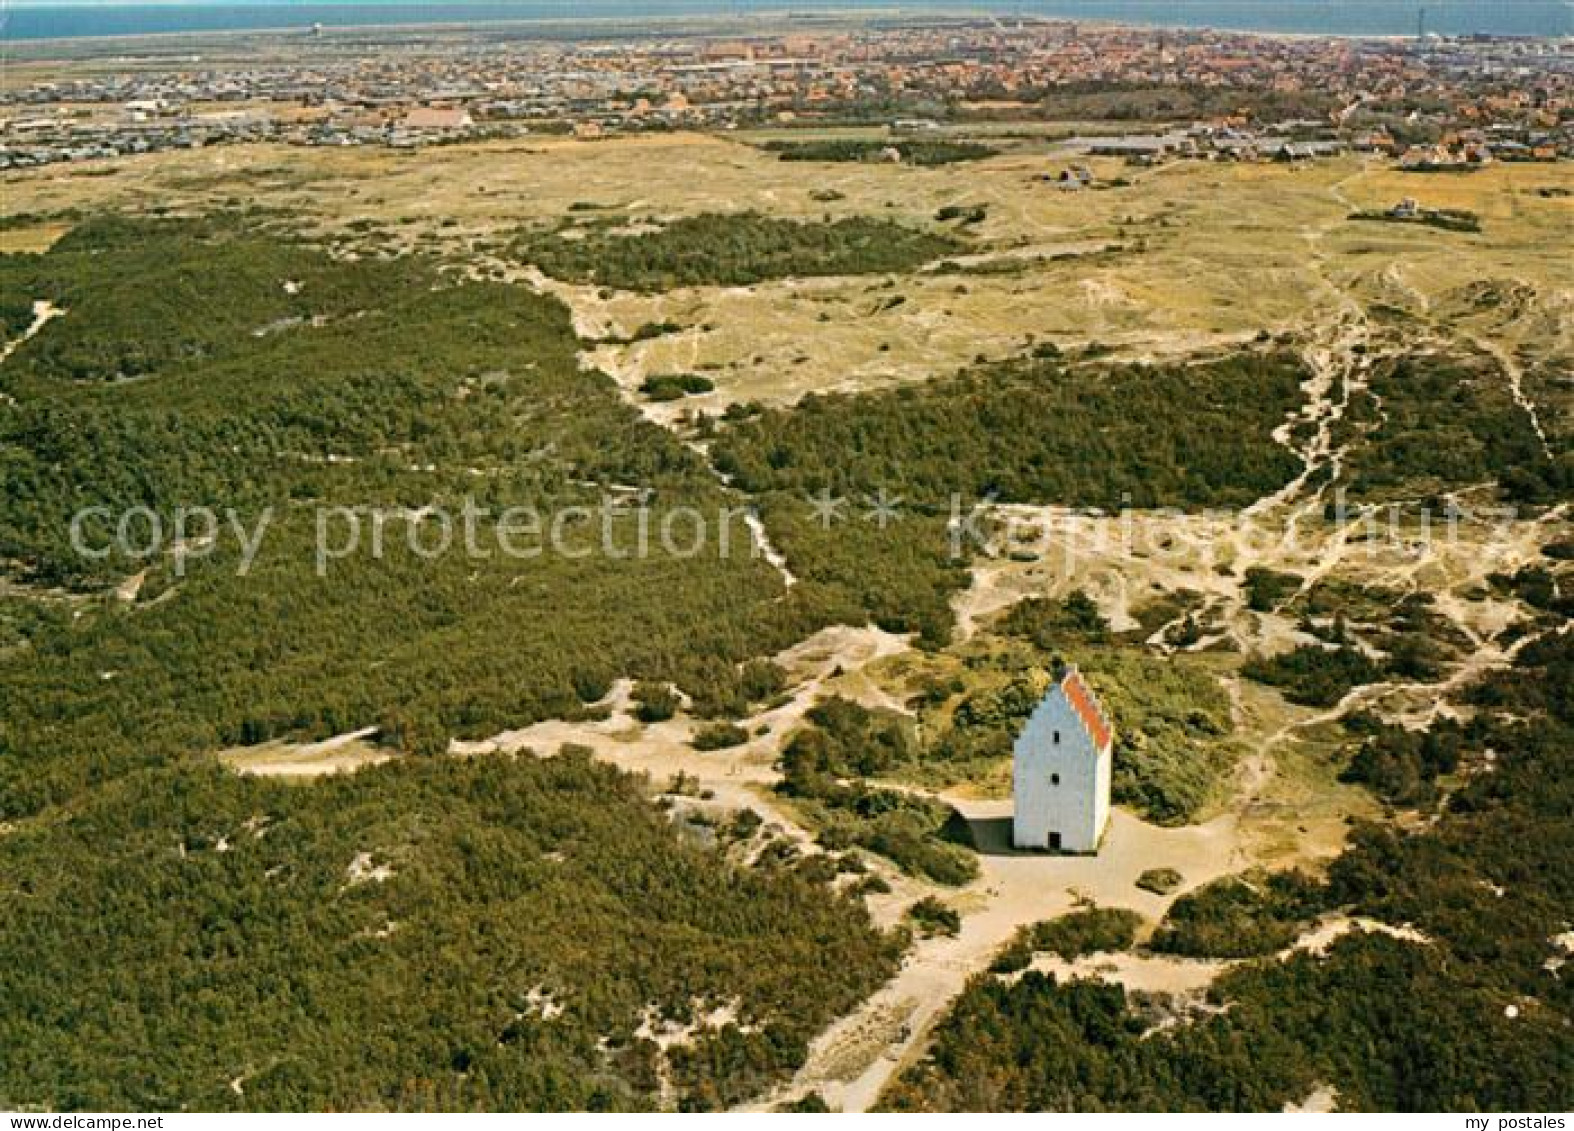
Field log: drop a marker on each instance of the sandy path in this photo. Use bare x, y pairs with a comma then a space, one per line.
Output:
850, 1063
1516, 387
43, 312
343, 753
738, 777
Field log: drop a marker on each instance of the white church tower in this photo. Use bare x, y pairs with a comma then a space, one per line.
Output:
1060, 770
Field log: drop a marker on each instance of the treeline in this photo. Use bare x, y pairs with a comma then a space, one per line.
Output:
730, 249
874, 149
451, 934
1034, 431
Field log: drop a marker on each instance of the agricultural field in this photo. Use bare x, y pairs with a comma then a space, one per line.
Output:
1291, 488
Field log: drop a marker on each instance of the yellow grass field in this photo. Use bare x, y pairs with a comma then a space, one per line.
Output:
1178, 258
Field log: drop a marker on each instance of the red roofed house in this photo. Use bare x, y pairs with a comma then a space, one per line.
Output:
1060, 770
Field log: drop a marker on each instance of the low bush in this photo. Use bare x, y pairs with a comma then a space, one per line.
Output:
675, 386
932, 917
719, 736
1239, 917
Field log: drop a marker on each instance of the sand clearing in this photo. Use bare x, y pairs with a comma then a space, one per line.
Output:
343, 753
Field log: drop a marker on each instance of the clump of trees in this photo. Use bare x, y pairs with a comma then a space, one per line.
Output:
1314, 675
1267, 588
233, 918
719, 736
1409, 446
937, 152
1088, 930
1160, 881
985, 723
823, 768
1173, 728
1240, 916
675, 386
731, 249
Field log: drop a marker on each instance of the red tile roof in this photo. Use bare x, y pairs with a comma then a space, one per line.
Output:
1087, 708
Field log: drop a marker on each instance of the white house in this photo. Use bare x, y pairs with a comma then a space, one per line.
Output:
1060, 771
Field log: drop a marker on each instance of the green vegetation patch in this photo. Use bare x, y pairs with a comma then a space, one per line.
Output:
1240, 916
675, 386
1314, 675
1390, 1024
402, 388
1432, 422
731, 249
822, 771
1089, 930
1400, 765
1447, 219
145, 295
1034, 431
1173, 748
1174, 745
984, 725
719, 736
1031, 431
873, 149
1369, 634
450, 933
1160, 881
900, 576
933, 917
